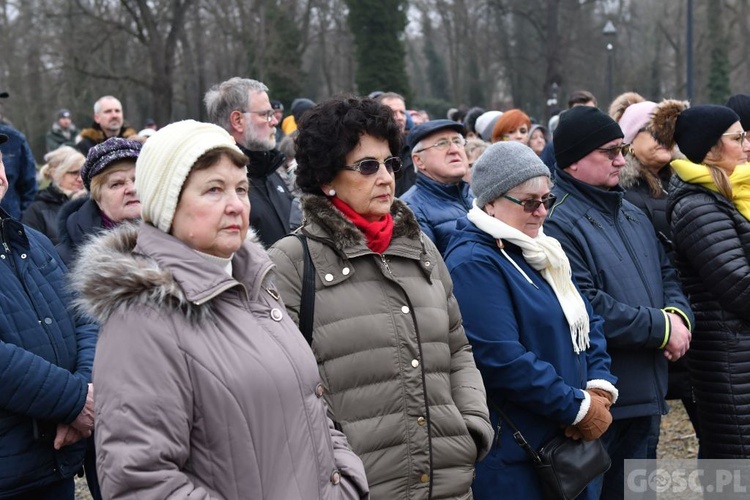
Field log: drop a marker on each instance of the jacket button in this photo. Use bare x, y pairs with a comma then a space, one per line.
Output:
329, 277
336, 477
23, 255
427, 263
319, 390
424, 478
345, 271
421, 421
405, 309
414, 363
48, 320
2, 256
276, 314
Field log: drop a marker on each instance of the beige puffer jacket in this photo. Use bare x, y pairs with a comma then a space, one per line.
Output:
398, 371
204, 387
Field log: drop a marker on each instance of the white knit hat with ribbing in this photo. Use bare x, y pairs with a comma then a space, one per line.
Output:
165, 162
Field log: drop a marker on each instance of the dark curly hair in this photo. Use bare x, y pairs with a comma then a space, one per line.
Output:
331, 129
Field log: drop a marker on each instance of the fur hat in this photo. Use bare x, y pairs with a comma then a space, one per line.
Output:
740, 103
106, 153
581, 130
165, 163
503, 166
695, 130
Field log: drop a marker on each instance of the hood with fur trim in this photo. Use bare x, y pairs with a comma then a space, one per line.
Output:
343, 233
110, 273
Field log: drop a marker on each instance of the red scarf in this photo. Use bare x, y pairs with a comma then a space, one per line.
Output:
378, 233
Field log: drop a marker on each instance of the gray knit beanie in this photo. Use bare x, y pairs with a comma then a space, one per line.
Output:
503, 166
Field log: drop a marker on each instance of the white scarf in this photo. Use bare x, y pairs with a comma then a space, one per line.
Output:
544, 254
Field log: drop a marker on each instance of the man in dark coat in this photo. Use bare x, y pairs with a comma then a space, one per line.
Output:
46, 357
621, 267
108, 122
242, 107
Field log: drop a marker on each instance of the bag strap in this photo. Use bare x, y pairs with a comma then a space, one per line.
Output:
307, 299
517, 436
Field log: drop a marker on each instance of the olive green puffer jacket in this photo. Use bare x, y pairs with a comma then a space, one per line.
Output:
398, 371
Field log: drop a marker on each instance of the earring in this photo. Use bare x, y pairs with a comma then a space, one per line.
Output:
331, 192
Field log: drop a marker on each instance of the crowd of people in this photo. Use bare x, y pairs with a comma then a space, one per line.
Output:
357, 301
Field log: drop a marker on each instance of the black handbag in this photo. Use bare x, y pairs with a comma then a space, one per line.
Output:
565, 466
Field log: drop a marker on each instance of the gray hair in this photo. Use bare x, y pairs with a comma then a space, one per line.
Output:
228, 96
98, 103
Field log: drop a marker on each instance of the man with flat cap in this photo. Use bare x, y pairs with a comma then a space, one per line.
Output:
440, 196
620, 266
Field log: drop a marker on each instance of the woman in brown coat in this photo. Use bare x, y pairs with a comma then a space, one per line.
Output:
398, 371
204, 386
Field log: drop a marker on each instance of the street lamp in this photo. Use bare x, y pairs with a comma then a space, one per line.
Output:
610, 32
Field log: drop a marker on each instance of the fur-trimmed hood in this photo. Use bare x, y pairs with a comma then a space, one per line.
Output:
139, 265
343, 233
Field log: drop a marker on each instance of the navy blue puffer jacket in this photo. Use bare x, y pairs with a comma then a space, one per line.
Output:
46, 356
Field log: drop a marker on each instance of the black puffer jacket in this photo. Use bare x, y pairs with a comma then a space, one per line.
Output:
42, 213
712, 247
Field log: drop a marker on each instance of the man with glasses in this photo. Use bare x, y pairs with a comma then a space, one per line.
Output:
620, 266
242, 107
440, 196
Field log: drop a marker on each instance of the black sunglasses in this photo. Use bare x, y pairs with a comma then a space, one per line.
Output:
369, 167
530, 206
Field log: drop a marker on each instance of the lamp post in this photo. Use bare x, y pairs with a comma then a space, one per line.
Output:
552, 101
610, 32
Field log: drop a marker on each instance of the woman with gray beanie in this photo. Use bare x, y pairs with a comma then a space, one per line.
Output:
539, 346
204, 386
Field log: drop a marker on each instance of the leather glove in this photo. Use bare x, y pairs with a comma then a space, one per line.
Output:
573, 433
605, 394
597, 420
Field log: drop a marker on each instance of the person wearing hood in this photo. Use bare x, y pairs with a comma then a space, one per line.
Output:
205, 388
63, 170
241, 107
538, 344
708, 209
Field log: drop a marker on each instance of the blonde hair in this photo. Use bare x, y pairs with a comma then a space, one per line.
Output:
100, 179
58, 162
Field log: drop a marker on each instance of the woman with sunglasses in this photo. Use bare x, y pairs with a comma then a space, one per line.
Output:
709, 211
397, 370
536, 340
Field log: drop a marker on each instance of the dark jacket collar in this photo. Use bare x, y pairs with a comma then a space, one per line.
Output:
263, 163
607, 201
445, 190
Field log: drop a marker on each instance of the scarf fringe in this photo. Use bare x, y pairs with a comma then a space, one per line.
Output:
544, 254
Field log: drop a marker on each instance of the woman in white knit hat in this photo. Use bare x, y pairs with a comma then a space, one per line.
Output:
204, 386
539, 346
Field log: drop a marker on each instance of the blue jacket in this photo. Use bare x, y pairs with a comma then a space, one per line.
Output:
20, 169
620, 266
438, 206
46, 356
522, 346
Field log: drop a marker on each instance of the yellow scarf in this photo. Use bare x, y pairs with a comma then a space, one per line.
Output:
699, 174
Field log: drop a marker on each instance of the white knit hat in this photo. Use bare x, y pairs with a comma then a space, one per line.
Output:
165, 163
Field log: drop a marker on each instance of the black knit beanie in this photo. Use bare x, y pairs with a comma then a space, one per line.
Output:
699, 128
581, 130
740, 103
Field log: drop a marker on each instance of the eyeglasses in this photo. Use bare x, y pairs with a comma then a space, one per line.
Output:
531, 205
738, 136
267, 113
613, 152
444, 144
369, 167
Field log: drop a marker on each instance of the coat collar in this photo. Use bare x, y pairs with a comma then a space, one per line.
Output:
450, 191
606, 201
